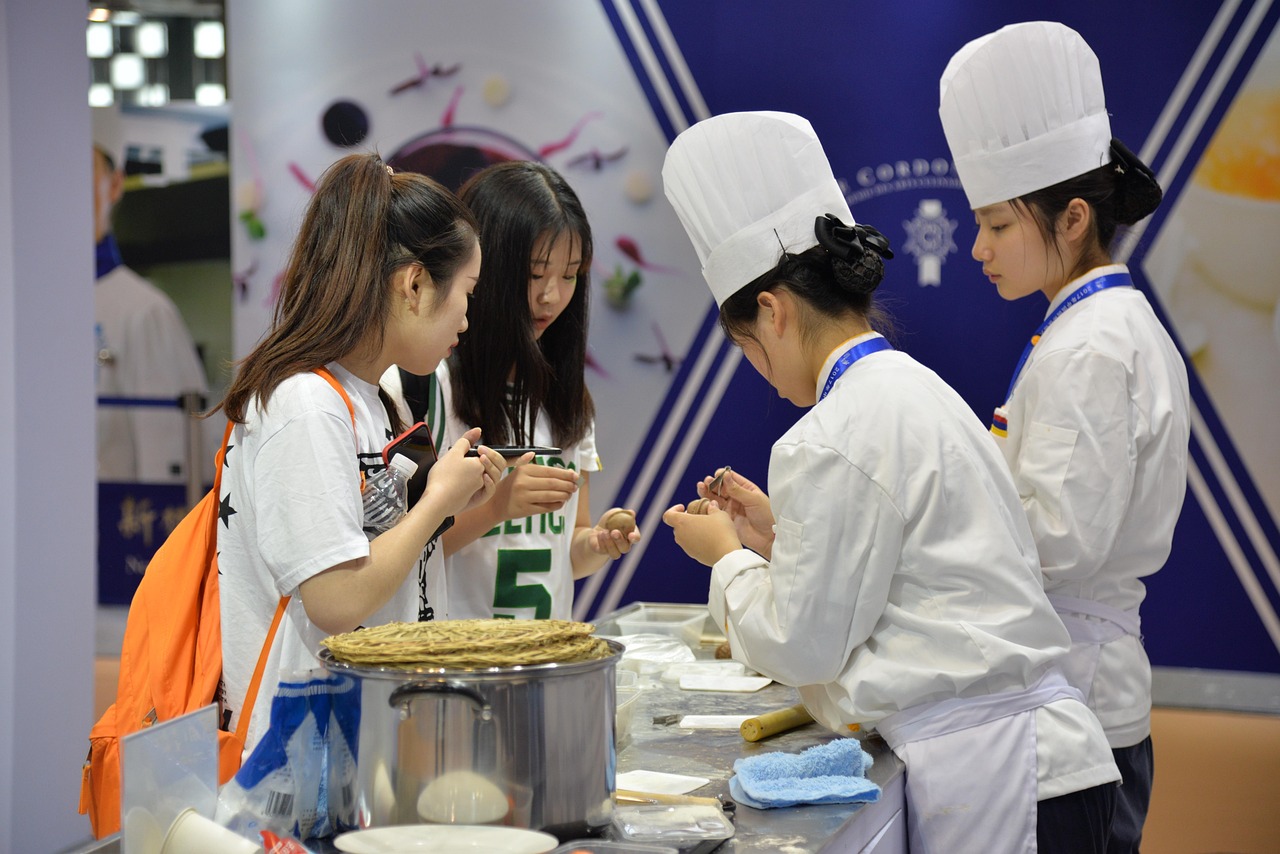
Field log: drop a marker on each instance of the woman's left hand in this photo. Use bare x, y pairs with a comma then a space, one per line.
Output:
613, 544
704, 537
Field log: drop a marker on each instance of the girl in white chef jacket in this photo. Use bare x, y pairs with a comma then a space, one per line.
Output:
891, 577
380, 273
1095, 424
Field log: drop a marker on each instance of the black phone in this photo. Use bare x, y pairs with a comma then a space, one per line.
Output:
519, 451
416, 444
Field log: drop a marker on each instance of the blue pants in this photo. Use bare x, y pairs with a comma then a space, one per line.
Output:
1137, 768
1076, 823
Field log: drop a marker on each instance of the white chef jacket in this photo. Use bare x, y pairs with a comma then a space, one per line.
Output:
148, 353
1098, 426
903, 570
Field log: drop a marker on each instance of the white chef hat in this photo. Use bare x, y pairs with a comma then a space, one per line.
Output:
748, 186
1023, 109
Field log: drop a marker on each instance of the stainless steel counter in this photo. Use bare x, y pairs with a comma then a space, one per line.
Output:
655, 742
661, 746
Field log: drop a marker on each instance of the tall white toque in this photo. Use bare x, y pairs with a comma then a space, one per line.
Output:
1023, 109
746, 186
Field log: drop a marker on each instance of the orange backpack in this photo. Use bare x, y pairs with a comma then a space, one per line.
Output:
171, 659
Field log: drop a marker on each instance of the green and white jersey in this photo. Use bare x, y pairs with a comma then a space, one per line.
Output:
520, 569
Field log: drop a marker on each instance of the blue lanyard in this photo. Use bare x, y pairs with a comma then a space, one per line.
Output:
1115, 280
106, 256
853, 354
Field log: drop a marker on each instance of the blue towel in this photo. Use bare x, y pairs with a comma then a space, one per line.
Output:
831, 773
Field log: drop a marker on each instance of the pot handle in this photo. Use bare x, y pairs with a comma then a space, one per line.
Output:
403, 695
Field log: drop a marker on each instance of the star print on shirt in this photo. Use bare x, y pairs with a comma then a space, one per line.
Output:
225, 510
225, 463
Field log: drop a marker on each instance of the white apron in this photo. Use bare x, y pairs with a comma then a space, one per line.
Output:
971, 778
1089, 636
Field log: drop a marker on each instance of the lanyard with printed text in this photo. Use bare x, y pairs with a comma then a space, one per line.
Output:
853, 354
999, 424
1115, 280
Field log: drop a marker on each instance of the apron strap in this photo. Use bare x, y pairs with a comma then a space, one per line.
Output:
1128, 622
928, 720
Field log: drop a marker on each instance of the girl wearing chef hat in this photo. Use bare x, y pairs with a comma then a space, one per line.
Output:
1095, 423
891, 576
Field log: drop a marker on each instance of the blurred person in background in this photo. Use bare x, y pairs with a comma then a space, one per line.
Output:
144, 353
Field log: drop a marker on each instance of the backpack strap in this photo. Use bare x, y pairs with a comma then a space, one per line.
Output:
251, 696
417, 392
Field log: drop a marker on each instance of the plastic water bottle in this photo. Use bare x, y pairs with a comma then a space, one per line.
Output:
386, 494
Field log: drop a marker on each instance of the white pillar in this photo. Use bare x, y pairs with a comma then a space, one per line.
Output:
47, 496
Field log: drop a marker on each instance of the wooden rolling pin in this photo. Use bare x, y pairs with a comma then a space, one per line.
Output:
772, 723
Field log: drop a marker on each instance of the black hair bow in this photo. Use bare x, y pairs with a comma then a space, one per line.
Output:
849, 243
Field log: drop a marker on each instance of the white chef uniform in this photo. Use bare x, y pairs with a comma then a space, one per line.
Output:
902, 591
1095, 429
144, 351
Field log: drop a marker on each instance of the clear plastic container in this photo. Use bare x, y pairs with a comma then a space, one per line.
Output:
681, 825
625, 715
683, 622
601, 846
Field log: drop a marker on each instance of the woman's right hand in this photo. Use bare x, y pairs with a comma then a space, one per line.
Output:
747, 505
459, 482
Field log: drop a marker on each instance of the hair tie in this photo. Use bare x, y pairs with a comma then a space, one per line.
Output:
390, 171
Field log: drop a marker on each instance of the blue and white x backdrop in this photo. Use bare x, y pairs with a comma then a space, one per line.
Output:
598, 89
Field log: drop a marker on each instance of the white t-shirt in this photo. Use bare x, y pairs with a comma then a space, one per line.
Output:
291, 509
522, 567
144, 350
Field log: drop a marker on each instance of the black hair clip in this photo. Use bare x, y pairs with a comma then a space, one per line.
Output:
1124, 160
849, 243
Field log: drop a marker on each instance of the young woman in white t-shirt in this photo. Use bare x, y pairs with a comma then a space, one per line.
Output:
519, 376
380, 273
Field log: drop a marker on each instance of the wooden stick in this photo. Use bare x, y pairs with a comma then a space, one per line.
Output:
628, 796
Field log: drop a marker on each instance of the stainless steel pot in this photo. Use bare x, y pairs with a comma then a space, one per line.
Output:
529, 746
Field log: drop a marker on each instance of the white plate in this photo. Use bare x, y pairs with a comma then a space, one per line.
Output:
733, 722
469, 838
744, 684
660, 782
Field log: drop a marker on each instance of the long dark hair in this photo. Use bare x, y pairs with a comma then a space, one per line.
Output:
523, 207
1122, 192
361, 226
834, 279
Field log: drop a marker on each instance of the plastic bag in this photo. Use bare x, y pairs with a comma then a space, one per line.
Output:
299, 780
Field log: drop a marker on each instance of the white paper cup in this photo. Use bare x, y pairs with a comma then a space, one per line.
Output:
192, 833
